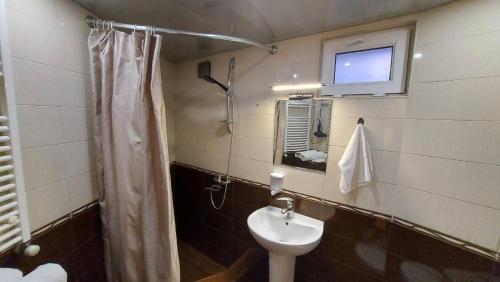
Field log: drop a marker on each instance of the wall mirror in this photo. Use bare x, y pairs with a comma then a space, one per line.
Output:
301, 133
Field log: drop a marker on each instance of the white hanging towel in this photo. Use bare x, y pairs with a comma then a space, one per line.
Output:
10, 275
310, 155
355, 167
49, 272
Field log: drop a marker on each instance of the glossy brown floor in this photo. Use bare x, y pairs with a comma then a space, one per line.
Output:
195, 265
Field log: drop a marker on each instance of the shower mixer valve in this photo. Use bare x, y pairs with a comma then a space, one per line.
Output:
220, 182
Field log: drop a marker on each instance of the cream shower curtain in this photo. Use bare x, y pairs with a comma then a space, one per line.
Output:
132, 157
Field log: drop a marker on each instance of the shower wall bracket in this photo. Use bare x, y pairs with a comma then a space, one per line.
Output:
204, 73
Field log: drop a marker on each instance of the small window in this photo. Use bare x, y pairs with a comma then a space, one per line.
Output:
373, 63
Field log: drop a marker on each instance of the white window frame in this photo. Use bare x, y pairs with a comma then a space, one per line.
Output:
398, 39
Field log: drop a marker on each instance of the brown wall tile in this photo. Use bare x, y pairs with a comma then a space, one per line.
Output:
414, 247
354, 247
75, 244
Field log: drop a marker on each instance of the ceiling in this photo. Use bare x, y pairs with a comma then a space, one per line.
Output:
261, 20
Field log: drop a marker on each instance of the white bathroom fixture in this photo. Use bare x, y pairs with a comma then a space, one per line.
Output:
276, 181
284, 238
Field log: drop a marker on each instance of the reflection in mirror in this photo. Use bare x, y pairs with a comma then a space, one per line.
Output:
302, 131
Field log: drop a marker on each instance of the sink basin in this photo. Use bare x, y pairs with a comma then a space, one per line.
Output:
284, 239
296, 236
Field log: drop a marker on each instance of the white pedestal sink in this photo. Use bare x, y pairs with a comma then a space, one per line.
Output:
284, 239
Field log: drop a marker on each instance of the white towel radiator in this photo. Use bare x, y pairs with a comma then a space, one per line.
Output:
14, 225
298, 124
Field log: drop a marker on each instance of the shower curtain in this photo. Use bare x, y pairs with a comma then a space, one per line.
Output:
132, 158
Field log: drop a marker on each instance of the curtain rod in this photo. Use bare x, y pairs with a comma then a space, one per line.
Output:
95, 23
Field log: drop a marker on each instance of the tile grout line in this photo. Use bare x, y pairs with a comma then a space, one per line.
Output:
450, 40
450, 159
64, 179
449, 197
27, 60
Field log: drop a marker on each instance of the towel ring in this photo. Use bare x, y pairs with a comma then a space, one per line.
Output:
361, 121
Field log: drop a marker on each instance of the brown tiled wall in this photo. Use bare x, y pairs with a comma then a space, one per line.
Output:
355, 246
75, 244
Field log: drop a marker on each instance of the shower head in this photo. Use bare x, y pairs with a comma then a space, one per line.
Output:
204, 73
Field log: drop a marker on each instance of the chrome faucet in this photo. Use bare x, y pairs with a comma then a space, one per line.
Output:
288, 211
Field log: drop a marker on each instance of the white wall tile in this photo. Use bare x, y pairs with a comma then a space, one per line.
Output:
47, 203
305, 72
296, 50
468, 99
36, 84
77, 124
217, 162
462, 140
189, 139
376, 196
477, 56
47, 36
458, 19
387, 107
260, 149
42, 10
255, 125
68, 12
31, 39
382, 134
40, 126
189, 156
385, 164
217, 141
73, 49
262, 78
474, 223
75, 89
255, 78
207, 119
79, 158
82, 189
43, 165
334, 155
303, 181
253, 170
255, 102
193, 88
472, 182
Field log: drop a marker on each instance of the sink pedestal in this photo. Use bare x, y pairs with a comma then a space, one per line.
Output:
281, 267
285, 238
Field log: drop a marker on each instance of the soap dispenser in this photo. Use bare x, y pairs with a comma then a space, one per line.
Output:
276, 182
